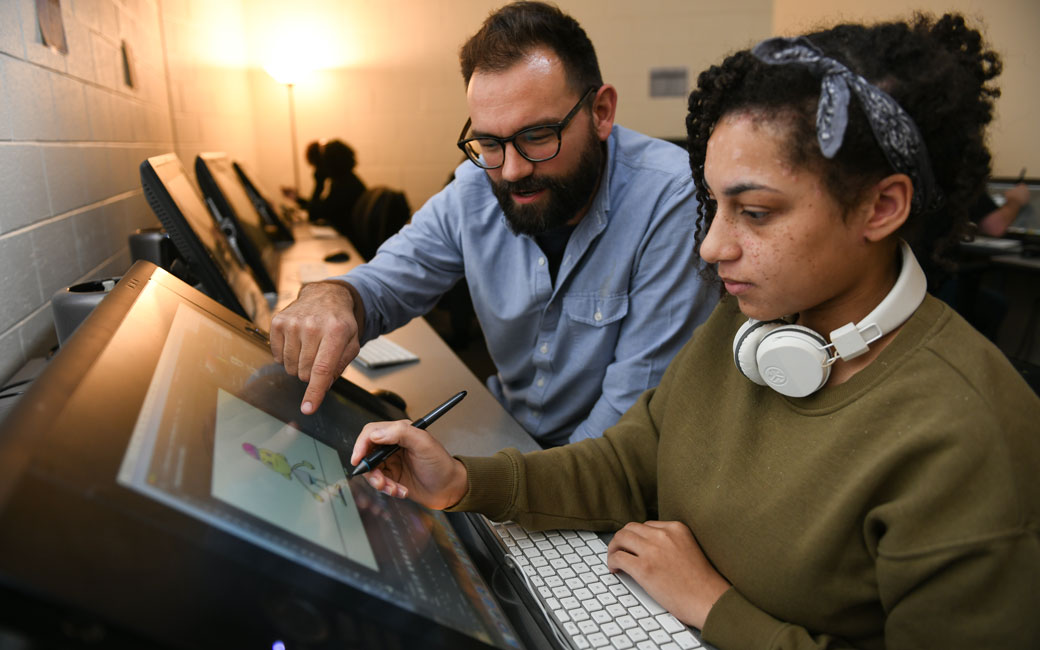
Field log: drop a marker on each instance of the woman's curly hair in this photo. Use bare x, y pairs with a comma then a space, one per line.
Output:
937, 70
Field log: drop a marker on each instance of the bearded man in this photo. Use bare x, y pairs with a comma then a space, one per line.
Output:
575, 237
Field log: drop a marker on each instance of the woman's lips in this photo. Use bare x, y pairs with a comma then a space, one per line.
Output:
736, 287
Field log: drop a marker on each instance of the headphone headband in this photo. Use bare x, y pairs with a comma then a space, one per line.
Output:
906, 296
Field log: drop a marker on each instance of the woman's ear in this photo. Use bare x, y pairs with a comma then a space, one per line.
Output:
604, 105
889, 208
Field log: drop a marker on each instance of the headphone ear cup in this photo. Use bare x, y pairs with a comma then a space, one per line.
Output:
745, 347
790, 360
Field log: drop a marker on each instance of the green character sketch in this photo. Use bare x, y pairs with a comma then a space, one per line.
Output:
318, 487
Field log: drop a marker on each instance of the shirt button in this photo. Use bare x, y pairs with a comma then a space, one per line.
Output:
597, 316
540, 382
544, 349
541, 261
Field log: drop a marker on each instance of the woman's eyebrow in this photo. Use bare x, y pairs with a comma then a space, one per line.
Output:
740, 188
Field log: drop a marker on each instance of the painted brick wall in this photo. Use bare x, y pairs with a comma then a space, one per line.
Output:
73, 133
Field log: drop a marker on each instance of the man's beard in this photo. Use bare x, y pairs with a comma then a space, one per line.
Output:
566, 195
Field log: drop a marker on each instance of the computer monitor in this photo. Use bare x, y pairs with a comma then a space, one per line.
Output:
209, 254
159, 487
1026, 225
263, 203
236, 213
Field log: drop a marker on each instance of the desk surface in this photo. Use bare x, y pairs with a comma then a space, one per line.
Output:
478, 426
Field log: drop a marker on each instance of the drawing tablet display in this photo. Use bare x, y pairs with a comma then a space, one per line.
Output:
263, 204
209, 254
189, 502
225, 194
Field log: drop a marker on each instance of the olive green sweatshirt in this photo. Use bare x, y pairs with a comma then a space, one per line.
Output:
900, 509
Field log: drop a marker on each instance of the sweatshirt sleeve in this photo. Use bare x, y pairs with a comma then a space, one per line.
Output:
597, 484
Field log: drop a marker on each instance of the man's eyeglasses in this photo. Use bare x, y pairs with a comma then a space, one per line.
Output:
535, 143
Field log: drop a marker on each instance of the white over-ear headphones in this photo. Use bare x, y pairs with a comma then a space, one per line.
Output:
796, 361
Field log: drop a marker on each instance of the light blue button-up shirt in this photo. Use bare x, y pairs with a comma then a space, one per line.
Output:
573, 357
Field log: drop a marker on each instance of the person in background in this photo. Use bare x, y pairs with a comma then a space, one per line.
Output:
312, 154
874, 488
334, 163
963, 285
995, 219
574, 236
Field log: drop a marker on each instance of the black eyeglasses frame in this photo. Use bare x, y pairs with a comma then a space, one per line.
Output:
557, 128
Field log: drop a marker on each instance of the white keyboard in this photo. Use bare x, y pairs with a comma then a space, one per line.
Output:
381, 351
566, 570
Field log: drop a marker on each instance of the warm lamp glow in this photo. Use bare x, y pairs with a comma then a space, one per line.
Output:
284, 72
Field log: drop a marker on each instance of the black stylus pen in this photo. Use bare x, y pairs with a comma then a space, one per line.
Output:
373, 459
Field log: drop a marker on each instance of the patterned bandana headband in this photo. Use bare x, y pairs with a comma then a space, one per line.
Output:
894, 130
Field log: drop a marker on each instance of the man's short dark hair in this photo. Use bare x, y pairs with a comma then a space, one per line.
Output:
517, 28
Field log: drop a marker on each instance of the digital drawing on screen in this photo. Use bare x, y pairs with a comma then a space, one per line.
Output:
283, 476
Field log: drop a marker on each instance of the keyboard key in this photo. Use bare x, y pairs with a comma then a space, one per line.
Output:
602, 616
581, 642
617, 611
627, 623
660, 636
636, 633
598, 640
670, 623
649, 624
606, 599
588, 627
621, 642
592, 605
686, 640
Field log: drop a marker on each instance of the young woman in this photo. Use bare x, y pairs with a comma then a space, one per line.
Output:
835, 459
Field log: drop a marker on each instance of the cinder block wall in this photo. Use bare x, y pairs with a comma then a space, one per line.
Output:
73, 133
